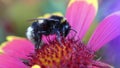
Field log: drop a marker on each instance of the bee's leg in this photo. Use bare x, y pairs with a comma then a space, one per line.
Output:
59, 37
38, 41
63, 32
37, 45
39, 38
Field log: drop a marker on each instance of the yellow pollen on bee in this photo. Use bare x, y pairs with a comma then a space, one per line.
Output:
47, 15
57, 14
36, 66
63, 20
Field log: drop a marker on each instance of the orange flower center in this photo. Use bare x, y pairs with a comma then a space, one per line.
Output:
69, 53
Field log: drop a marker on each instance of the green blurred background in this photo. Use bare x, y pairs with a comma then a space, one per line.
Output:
15, 13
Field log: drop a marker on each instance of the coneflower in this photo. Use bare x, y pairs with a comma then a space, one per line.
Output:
20, 53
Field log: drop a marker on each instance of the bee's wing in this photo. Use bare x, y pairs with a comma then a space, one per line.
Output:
36, 19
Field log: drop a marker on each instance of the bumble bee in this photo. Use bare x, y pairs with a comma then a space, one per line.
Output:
57, 25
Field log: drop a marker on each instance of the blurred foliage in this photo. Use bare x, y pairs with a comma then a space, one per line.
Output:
14, 14
21, 12
90, 31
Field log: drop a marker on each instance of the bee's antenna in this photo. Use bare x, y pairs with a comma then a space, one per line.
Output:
53, 20
74, 30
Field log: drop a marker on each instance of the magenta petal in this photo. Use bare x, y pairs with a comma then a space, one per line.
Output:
80, 15
46, 39
10, 62
107, 30
19, 48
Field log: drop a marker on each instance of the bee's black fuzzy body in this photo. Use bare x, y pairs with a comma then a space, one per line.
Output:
54, 25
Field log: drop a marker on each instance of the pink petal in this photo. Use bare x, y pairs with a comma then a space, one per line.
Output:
10, 62
19, 48
107, 30
80, 14
46, 39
